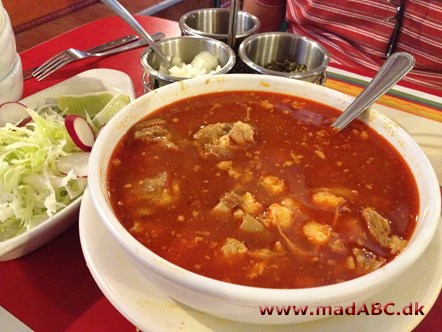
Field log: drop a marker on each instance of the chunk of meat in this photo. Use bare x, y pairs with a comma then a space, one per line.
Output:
157, 190
235, 198
337, 245
154, 185
366, 261
241, 133
221, 139
380, 228
153, 131
397, 244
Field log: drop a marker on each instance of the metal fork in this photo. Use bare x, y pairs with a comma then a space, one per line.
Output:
71, 55
62, 56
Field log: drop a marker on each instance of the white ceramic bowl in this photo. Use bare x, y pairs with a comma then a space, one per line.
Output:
241, 303
1, 14
7, 45
11, 86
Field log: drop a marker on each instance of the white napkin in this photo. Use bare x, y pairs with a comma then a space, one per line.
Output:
9, 323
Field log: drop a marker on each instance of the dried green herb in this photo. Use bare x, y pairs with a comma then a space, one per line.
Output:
286, 66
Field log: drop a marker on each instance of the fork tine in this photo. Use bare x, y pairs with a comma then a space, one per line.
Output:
49, 66
56, 64
56, 58
48, 71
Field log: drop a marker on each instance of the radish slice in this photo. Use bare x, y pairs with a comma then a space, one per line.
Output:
24, 122
13, 112
76, 162
80, 131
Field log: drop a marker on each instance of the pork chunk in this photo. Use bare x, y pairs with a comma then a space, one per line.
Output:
366, 261
235, 198
158, 190
380, 228
220, 139
153, 131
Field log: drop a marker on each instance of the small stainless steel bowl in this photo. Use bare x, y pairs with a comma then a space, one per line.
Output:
214, 23
261, 49
186, 47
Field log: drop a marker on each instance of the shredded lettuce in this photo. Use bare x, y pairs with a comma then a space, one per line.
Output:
31, 187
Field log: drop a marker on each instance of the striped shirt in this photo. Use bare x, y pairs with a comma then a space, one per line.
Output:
357, 32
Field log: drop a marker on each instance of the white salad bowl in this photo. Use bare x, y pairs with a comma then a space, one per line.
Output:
241, 303
94, 80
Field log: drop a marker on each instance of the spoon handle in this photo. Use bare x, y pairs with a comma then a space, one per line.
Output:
129, 19
233, 17
391, 72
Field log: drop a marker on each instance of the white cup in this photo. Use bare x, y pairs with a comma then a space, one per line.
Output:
11, 86
11, 72
7, 44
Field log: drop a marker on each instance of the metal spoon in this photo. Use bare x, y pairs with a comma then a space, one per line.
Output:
392, 71
129, 19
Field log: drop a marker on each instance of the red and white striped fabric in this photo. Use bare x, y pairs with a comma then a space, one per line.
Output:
356, 32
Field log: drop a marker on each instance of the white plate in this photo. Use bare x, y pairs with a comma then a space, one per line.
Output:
94, 80
149, 309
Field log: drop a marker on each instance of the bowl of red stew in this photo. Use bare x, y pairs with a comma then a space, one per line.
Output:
231, 192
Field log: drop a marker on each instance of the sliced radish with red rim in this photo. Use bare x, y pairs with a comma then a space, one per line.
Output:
15, 113
80, 131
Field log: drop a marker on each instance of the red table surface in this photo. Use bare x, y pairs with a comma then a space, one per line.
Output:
51, 289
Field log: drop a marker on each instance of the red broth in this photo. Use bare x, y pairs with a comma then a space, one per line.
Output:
254, 188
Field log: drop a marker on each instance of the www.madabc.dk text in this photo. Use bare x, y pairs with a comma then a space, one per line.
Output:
389, 308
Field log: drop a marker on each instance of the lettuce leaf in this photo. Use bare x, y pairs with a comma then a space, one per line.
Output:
31, 187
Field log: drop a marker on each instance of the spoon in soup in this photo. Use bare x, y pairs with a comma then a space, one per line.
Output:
392, 71
129, 19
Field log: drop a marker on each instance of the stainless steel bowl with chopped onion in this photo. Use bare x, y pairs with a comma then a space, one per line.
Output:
191, 56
